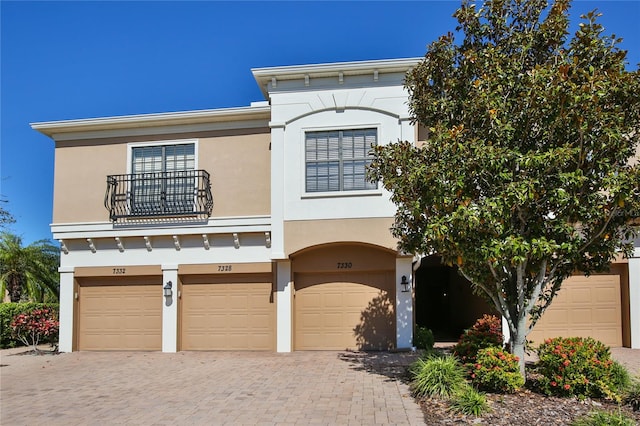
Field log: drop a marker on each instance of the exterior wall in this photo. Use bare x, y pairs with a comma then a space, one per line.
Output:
237, 160
362, 113
301, 219
301, 234
81, 179
240, 168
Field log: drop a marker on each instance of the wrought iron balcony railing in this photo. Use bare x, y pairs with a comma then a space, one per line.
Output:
163, 194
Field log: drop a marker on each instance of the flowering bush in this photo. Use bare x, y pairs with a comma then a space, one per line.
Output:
496, 370
576, 366
8, 311
37, 326
485, 333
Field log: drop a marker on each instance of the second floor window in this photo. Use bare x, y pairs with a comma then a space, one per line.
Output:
337, 160
165, 181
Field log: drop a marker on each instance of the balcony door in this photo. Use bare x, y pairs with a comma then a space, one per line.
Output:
163, 179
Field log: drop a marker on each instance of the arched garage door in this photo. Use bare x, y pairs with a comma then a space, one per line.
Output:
345, 311
584, 307
344, 298
118, 313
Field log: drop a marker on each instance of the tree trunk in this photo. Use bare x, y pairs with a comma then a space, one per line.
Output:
518, 341
14, 288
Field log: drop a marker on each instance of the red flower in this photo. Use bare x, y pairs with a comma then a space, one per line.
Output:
566, 387
554, 384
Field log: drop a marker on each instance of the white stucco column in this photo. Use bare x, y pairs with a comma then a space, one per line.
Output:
404, 304
67, 304
284, 317
170, 309
634, 298
278, 168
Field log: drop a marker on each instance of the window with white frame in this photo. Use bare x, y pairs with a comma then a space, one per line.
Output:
337, 160
163, 179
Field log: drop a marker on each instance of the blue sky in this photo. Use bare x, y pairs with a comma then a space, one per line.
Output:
71, 60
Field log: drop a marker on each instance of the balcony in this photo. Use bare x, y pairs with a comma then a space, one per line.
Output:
162, 195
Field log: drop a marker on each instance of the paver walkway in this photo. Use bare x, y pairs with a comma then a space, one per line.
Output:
331, 388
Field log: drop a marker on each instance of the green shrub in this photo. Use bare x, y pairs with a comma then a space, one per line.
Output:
496, 370
632, 395
485, 333
8, 311
604, 418
576, 366
436, 376
423, 339
469, 401
620, 377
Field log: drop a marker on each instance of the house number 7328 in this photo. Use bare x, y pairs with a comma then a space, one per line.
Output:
344, 265
119, 271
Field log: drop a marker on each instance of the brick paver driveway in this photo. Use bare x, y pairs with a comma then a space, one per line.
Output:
336, 388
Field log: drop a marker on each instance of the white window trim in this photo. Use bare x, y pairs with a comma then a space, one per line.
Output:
132, 145
341, 194
303, 163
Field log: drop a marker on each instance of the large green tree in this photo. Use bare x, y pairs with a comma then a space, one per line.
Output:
526, 175
30, 271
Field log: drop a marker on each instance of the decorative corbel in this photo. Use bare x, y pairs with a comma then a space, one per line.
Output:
147, 243
119, 244
92, 246
236, 240
267, 239
176, 242
63, 247
205, 241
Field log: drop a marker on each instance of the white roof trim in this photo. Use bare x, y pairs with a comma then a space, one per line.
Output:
55, 128
293, 72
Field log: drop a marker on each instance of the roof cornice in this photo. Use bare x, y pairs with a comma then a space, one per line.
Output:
55, 129
264, 76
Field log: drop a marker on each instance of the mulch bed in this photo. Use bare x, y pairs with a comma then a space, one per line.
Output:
26, 351
522, 408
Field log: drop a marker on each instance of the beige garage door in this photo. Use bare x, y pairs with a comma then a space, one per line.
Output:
228, 313
120, 314
584, 307
338, 311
